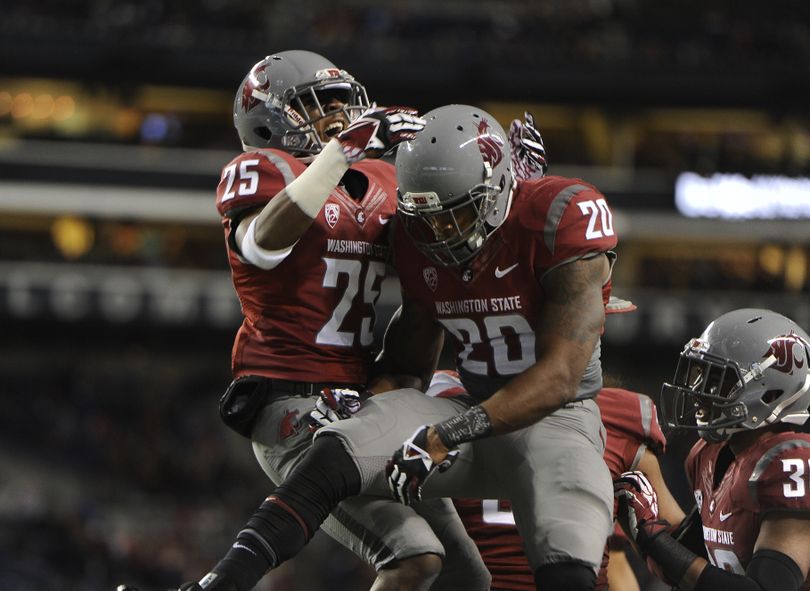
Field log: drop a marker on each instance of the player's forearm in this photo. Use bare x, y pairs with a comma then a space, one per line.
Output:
280, 224
529, 397
288, 215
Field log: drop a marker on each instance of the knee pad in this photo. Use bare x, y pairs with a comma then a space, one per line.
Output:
565, 576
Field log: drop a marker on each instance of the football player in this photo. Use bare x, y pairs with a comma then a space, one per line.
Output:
744, 385
517, 272
305, 210
634, 439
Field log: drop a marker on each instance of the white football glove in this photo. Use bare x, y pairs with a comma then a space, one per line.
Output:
528, 151
334, 404
378, 130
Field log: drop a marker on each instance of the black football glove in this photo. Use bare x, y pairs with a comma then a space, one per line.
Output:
410, 467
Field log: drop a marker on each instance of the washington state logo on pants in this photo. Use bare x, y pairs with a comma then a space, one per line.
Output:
290, 425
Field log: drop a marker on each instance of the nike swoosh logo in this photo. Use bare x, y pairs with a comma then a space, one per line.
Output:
724, 516
384, 220
500, 273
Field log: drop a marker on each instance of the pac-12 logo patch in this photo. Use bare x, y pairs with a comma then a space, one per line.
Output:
431, 277
332, 213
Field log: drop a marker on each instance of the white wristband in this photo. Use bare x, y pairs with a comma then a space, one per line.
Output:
310, 190
258, 256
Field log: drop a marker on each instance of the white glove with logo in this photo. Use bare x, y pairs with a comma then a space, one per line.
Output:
334, 404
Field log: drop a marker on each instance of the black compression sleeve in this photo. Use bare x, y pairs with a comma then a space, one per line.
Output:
769, 570
689, 533
672, 558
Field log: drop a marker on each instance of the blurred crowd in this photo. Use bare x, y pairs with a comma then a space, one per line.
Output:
116, 468
692, 34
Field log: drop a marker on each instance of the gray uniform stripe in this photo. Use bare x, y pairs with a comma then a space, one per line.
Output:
556, 210
765, 461
381, 553
641, 449
281, 165
646, 414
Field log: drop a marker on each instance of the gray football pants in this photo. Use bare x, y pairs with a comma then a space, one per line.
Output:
552, 472
376, 528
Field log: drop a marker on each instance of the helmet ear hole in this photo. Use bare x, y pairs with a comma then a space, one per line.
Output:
263, 133
771, 395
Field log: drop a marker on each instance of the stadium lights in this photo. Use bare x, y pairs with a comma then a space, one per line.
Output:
735, 196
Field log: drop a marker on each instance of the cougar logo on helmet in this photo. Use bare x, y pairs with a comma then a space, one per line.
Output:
491, 145
783, 348
284, 95
257, 81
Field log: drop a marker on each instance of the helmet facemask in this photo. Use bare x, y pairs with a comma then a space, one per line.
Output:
453, 231
748, 370
295, 101
702, 395
306, 106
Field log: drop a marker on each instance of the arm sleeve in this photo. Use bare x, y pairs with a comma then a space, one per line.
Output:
778, 481
575, 223
768, 570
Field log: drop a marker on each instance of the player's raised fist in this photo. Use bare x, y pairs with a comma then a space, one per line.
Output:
378, 130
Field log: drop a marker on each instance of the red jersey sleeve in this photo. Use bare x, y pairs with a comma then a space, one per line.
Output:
571, 219
780, 477
631, 422
254, 178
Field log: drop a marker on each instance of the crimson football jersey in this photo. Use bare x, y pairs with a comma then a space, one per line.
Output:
773, 474
632, 426
490, 306
311, 317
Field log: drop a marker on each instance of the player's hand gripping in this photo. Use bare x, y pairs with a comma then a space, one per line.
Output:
637, 511
528, 151
334, 404
411, 465
378, 130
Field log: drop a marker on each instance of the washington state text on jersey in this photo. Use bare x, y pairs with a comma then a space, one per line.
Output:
357, 247
718, 535
506, 304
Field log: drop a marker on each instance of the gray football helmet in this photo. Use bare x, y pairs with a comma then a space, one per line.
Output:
455, 183
749, 368
273, 104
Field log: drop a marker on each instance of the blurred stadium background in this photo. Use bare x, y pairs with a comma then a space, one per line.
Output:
116, 308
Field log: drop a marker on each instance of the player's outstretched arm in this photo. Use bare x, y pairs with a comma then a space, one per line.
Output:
266, 236
781, 555
668, 507
567, 331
